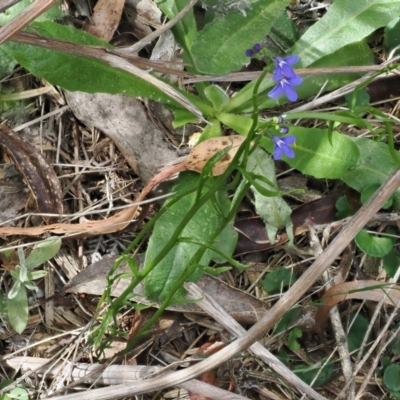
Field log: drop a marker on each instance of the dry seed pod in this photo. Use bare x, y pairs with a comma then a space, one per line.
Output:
199, 156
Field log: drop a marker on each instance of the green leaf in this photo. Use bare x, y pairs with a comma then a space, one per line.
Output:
43, 252
344, 208
293, 344
345, 22
370, 190
185, 29
316, 156
355, 336
373, 245
391, 377
201, 228
36, 275
220, 47
7, 60
287, 319
217, 97
238, 123
15, 289
391, 262
273, 210
374, 166
18, 310
80, 73
211, 131
278, 279
322, 375
18, 393
284, 33
392, 35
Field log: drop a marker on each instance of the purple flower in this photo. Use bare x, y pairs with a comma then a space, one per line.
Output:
282, 146
257, 47
283, 67
285, 85
249, 53
284, 130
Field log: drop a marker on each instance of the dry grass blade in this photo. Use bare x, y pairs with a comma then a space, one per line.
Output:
26, 17
286, 302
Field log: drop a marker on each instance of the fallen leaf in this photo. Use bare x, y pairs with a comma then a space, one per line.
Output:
105, 19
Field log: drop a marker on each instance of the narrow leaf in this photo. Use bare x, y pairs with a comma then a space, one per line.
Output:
18, 310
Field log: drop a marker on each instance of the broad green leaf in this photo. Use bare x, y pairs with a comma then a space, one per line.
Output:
43, 252
355, 336
320, 373
344, 208
18, 310
220, 47
391, 377
7, 60
370, 190
273, 210
278, 279
374, 166
391, 262
353, 54
288, 319
373, 245
80, 73
18, 393
345, 22
392, 35
217, 97
283, 34
319, 155
201, 228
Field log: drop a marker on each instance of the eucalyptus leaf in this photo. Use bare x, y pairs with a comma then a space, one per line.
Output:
201, 227
374, 166
319, 155
273, 210
220, 47
373, 245
18, 310
345, 22
43, 252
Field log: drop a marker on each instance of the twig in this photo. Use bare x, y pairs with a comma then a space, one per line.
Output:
340, 334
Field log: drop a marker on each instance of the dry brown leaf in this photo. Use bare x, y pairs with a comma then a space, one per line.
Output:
39, 175
361, 290
240, 305
105, 18
123, 218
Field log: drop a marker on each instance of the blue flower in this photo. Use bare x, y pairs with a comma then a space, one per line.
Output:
257, 47
249, 53
283, 67
285, 85
282, 146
